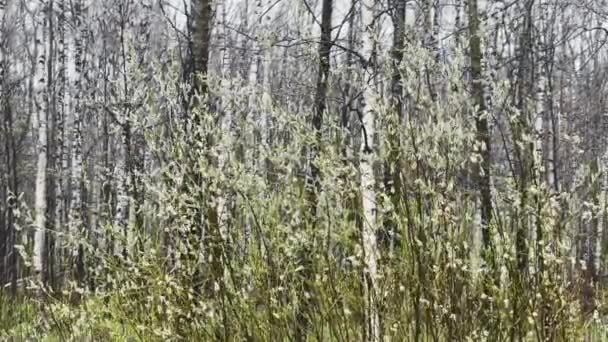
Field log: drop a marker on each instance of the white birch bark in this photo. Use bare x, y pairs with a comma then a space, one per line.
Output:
431, 41
603, 182
226, 122
350, 119
244, 41
541, 123
549, 116
122, 205
266, 107
122, 174
370, 248
252, 78
603, 206
41, 164
76, 170
61, 159
600, 232
458, 23
252, 82
552, 133
538, 160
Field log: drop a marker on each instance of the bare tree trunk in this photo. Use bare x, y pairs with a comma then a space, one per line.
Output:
253, 77
12, 267
61, 158
524, 151
76, 218
122, 199
370, 248
227, 118
323, 73
458, 25
41, 173
10, 190
397, 57
49, 275
105, 218
546, 46
201, 11
431, 42
350, 102
313, 181
208, 217
4, 228
521, 128
483, 171
538, 157
122, 175
601, 158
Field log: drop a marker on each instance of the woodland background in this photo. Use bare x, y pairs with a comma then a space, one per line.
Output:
323, 170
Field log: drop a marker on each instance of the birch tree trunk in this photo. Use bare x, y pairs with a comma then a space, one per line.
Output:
41, 103
546, 48
397, 57
202, 13
524, 150
260, 82
370, 248
121, 171
4, 177
11, 192
350, 107
49, 275
226, 121
521, 129
254, 66
601, 121
105, 218
61, 157
323, 73
10, 189
483, 171
122, 199
538, 159
431, 42
202, 20
76, 220
266, 104
602, 238
253, 107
